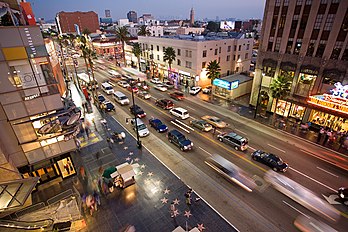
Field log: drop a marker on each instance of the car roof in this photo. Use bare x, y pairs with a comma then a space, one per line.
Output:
179, 108
176, 132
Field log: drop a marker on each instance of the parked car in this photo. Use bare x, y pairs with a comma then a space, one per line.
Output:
156, 80
270, 160
165, 104
108, 106
176, 137
142, 128
195, 90
179, 96
202, 125
214, 121
101, 98
138, 111
158, 125
123, 84
161, 87
144, 95
135, 89
343, 193
207, 90
234, 140
168, 84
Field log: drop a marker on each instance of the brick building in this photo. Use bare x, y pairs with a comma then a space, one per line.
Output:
67, 22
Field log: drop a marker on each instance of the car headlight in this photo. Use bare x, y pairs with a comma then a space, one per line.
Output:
191, 144
342, 195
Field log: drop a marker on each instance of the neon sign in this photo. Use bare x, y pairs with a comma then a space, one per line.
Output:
329, 102
226, 84
341, 91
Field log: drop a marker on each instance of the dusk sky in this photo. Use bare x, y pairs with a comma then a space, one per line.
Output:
160, 9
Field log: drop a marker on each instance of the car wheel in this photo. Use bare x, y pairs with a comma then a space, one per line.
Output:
170, 140
158, 131
254, 158
181, 148
220, 139
275, 169
202, 129
236, 148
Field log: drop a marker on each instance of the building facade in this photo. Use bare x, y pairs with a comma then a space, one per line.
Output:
193, 54
307, 41
132, 16
108, 46
76, 22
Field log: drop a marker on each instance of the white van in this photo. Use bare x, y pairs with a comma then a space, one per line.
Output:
121, 98
180, 112
107, 88
142, 128
114, 74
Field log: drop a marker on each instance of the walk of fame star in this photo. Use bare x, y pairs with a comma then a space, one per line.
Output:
140, 173
176, 201
164, 200
125, 148
128, 158
136, 159
176, 213
143, 166
201, 227
166, 191
187, 214
150, 174
131, 153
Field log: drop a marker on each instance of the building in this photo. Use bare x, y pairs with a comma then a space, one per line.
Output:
123, 22
232, 86
306, 40
107, 46
192, 17
107, 14
132, 16
145, 18
193, 53
35, 138
76, 22
189, 30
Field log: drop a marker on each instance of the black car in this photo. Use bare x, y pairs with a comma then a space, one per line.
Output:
343, 193
101, 98
164, 103
174, 136
138, 111
108, 106
158, 125
271, 160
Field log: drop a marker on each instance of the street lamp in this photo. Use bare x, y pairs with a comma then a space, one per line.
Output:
258, 96
139, 145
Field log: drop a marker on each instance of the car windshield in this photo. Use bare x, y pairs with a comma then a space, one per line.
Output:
124, 97
109, 105
181, 137
141, 127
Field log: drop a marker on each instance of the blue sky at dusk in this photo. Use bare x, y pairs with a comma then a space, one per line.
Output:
161, 9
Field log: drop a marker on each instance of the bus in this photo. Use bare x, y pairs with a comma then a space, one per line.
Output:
84, 78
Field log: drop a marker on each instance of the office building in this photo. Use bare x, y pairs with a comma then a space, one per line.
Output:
132, 16
307, 41
192, 17
107, 14
76, 22
193, 54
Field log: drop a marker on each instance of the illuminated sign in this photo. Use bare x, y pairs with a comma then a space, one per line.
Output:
226, 84
341, 91
330, 102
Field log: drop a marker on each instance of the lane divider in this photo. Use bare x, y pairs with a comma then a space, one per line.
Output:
187, 131
176, 120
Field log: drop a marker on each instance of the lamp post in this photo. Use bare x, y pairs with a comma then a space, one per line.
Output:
258, 95
139, 145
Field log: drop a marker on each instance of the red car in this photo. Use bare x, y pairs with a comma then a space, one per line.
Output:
179, 96
135, 89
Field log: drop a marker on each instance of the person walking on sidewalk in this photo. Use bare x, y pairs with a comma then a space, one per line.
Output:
188, 197
172, 209
320, 135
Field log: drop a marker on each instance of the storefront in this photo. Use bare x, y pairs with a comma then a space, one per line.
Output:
179, 77
288, 109
232, 87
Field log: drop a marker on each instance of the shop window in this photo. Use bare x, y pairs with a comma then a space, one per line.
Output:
305, 84
297, 111
282, 107
269, 71
66, 167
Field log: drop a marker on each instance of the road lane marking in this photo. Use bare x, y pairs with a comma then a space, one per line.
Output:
276, 148
176, 120
193, 118
318, 157
190, 108
316, 181
252, 148
241, 132
180, 127
327, 172
296, 209
205, 151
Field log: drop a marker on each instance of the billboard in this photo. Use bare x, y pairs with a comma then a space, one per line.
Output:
226, 25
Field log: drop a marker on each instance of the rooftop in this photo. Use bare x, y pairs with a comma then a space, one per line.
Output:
209, 36
237, 77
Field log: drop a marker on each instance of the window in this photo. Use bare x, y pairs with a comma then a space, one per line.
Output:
323, 1
299, 2
188, 53
215, 53
205, 53
157, 48
308, 2
179, 62
277, 44
228, 58
228, 48
188, 64
234, 57
203, 64
237, 69
239, 47
335, 1
238, 57
158, 57
289, 46
151, 47
298, 46
277, 2
337, 50
246, 56
179, 52
329, 21
286, 2
235, 48
321, 48
219, 50
164, 48
318, 21
345, 54
248, 47
219, 60
310, 49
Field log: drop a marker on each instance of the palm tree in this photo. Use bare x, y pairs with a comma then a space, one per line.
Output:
137, 52
280, 88
122, 34
169, 55
143, 31
213, 70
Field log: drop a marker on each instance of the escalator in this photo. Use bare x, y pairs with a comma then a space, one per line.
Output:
26, 225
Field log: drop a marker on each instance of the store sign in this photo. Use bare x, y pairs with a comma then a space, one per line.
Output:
226, 84
341, 91
330, 102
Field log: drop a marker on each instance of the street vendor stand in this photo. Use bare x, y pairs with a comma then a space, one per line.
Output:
124, 175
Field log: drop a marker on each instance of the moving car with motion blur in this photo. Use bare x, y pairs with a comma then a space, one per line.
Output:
144, 95
214, 121
156, 80
270, 160
202, 125
101, 98
123, 84
343, 193
108, 106
158, 125
207, 90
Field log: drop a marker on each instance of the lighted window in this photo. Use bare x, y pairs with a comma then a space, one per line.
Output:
318, 21
329, 22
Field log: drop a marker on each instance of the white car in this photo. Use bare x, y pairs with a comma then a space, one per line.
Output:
180, 113
194, 90
123, 84
156, 80
207, 90
161, 87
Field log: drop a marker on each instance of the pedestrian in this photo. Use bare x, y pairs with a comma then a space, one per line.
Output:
82, 172
320, 135
97, 155
95, 126
78, 144
188, 198
97, 199
326, 138
87, 131
172, 209
108, 139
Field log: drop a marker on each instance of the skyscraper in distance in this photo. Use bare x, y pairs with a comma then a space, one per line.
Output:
132, 16
107, 14
192, 17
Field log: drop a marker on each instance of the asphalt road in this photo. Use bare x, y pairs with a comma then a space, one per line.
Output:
305, 166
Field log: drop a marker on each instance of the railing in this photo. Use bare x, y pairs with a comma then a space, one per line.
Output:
30, 209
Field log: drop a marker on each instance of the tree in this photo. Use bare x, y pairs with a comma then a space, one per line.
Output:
143, 31
213, 70
122, 34
137, 52
169, 55
213, 26
280, 88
